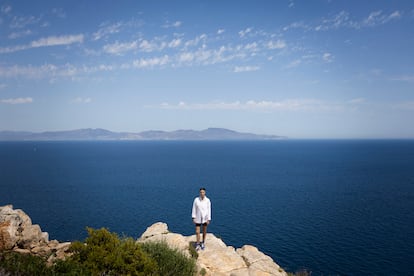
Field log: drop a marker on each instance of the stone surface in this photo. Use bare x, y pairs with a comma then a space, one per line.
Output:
217, 259
17, 233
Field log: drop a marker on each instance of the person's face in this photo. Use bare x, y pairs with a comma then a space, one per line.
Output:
202, 193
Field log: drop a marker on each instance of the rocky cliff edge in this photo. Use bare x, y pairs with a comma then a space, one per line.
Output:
17, 233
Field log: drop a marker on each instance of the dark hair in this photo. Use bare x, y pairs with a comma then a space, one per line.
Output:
202, 189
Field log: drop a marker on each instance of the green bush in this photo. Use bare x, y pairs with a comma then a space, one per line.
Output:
104, 253
170, 261
14, 263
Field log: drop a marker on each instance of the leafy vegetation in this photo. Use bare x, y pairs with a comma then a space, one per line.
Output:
170, 261
104, 253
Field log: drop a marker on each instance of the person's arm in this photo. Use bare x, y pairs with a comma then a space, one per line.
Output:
209, 211
194, 211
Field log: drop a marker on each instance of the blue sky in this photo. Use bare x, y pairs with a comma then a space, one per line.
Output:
302, 69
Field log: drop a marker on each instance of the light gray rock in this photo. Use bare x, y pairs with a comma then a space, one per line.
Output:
217, 259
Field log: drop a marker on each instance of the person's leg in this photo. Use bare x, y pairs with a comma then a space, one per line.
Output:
204, 232
198, 233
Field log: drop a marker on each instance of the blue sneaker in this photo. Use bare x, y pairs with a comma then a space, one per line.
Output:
202, 246
198, 247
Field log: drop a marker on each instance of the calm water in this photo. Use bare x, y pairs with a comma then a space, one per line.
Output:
333, 207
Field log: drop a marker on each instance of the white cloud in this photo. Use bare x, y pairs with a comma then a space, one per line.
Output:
119, 48
150, 46
17, 100
45, 42
220, 31
291, 4
294, 63
327, 57
107, 30
251, 47
407, 78
6, 9
243, 33
357, 101
175, 24
80, 100
196, 40
339, 20
21, 22
239, 69
15, 35
343, 20
174, 43
57, 40
252, 105
297, 25
278, 44
59, 13
378, 18
186, 57
150, 62
409, 105
6, 50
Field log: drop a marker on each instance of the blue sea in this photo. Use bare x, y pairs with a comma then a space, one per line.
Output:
333, 207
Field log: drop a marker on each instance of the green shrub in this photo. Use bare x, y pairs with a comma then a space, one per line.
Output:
170, 261
14, 263
193, 251
104, 253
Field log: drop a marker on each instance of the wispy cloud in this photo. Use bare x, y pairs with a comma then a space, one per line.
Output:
327, 57
80, 100
20, 22
175, 24
194, 42
343, 19
17, 100
278, 44
106, 30
220, 31
6, 9
378, 18
408, 106
294, 63
239, 69
406, 78
15, 35
357, 101
244, 32
252, 105
174, 43
151, 62
51, 70
45, 42
119, 48
59, 13
57, 40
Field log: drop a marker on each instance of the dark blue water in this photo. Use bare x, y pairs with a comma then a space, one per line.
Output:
332, 207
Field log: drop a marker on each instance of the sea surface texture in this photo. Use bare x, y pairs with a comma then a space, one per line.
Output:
331, 207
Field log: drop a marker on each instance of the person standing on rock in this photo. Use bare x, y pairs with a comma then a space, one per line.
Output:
201, 215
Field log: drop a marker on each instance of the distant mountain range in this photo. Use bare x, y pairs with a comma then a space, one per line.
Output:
103, 134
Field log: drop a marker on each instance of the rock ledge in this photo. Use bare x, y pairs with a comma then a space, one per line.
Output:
17, 233
217, 259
